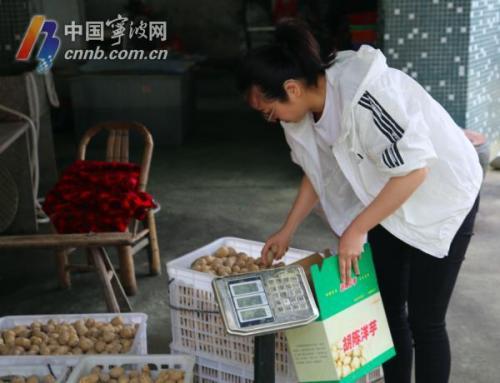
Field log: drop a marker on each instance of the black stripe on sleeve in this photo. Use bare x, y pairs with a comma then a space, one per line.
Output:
398, 154
396, 126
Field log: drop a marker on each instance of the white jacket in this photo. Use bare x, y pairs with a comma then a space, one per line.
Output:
390, 126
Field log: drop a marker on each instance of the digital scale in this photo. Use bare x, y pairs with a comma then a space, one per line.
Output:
263, 303
266, 301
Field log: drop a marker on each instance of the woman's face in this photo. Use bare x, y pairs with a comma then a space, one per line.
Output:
292, 110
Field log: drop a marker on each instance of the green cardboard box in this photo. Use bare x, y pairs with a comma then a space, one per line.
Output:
351, 337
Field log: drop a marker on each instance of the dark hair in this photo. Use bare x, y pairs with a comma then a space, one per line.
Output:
295, 54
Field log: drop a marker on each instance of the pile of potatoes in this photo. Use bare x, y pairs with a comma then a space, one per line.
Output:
119, 375
347, 362
85, 336
29, 379
227, 261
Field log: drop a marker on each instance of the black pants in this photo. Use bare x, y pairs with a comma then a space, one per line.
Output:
416, 289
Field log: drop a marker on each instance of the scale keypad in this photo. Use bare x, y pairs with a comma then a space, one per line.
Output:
286, 294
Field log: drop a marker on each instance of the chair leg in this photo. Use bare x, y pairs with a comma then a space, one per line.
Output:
62, 268
115, 296
127, 269
153, 249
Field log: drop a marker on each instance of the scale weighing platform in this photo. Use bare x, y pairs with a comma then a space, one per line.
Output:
266, 301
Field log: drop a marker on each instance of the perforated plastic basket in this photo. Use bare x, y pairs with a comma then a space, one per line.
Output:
130, 363
40, 368
139, 346
195, 320
213, 370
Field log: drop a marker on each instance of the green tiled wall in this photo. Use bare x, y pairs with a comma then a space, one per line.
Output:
452, 48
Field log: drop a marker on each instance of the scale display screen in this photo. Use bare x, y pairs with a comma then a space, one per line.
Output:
247, 287
254, 314
249, 301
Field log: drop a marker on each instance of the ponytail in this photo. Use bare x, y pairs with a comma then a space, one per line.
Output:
295, 54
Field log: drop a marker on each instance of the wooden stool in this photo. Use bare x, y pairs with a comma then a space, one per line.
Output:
114, 294
117, 149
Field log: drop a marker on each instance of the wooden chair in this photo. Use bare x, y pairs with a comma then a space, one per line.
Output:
117, 149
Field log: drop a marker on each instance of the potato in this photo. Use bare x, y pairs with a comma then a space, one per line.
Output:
9, 338
18, 379
81, 330
34, 350
123, 379
127, 332
23, 342
4, 349
86, 344
62, 350
223, 251
18, 330
36, 340
217, 262
117, 321
73, 340
253, 267
48, 379
134, 374
93, 332
100, 346
126, 345
44, 349
108, 336
36, 325
92, 378
116, 372
205, 269
64, 337
113, 348
176, 375
32, 379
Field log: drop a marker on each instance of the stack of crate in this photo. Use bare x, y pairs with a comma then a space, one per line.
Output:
198, 329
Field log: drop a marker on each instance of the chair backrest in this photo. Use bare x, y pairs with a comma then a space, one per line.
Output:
117, 148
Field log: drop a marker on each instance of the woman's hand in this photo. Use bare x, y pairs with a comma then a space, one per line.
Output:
350, 248
277, 244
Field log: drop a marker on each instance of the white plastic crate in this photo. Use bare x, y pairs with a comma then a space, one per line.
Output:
195, 320
133, 362
40, 368
210, 370
205, 333
139, 346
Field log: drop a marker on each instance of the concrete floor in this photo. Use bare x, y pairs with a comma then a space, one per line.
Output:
234, 178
